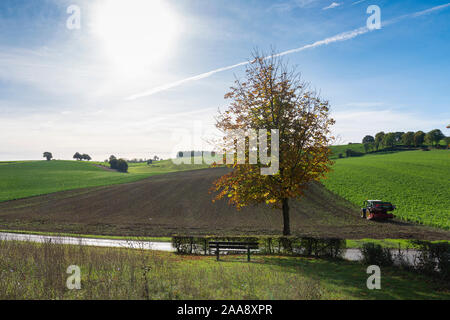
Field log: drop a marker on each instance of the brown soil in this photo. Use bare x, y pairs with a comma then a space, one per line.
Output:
179, 203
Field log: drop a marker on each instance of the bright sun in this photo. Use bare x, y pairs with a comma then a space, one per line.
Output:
135, 34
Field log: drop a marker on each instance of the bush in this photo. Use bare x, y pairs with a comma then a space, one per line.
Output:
353, 153
329, 248
375, 254
122, 165
113, 163
433, 258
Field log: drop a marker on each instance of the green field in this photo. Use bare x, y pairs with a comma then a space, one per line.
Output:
20, 179
114, 273
359, 147
416, 181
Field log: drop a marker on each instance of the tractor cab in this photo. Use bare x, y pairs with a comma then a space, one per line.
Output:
377, 210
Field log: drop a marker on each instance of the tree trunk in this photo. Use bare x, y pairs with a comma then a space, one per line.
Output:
286, 226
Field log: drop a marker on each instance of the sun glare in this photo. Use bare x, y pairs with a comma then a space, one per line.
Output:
134, 34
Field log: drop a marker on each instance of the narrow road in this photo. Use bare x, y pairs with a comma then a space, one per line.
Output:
132, 244
350, 254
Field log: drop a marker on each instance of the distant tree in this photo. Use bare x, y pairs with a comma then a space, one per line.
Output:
389, 139
367, 147
122, 165
408, 138
368, 139
85, 156
48, 155
434, 136
447, 141
379, 139
155, 158
398, 137
113, 162
78, 156
419, 138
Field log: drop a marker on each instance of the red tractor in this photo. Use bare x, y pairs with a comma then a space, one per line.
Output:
377, 210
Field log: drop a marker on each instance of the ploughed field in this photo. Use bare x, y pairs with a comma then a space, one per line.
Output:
179, 203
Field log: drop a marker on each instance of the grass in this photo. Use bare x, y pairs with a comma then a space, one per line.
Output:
38, 271
415, 181
94, 236
386, 243
21, 179
336, 150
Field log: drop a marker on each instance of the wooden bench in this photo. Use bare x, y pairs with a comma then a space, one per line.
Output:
232, 246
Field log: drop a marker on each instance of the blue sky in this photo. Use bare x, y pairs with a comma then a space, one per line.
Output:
65, 90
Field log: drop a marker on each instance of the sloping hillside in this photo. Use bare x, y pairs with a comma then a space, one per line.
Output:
179, 203
416, 181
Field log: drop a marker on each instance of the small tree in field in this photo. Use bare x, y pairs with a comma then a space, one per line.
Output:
113, 162
78, 156
85, 156
273, 96
122, 165
48, 155
368, 139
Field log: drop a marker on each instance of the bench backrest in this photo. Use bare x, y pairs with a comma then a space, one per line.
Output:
233, 245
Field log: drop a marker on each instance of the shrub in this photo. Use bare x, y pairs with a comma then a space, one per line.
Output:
122, 165
353, 153
329, 248
433, 258
113, 163
375, 254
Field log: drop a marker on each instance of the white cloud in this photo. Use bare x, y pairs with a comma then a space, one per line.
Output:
332, 5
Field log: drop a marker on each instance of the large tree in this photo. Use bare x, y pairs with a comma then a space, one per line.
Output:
273, 96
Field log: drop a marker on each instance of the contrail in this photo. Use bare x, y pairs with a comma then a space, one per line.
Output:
337, 38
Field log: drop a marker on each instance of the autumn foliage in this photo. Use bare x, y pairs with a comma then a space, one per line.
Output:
273, 96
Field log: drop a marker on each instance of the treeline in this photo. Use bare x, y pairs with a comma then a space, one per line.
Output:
408, 139
192, 153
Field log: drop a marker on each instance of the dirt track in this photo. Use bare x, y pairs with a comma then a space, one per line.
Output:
179, 203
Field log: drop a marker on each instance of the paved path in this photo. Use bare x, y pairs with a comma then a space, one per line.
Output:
350, 254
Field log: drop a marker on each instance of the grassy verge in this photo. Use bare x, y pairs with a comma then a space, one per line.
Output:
386, 243
94, 236
350, 243
38, 271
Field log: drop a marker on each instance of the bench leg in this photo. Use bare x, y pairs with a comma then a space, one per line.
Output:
217, 252
248, 254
